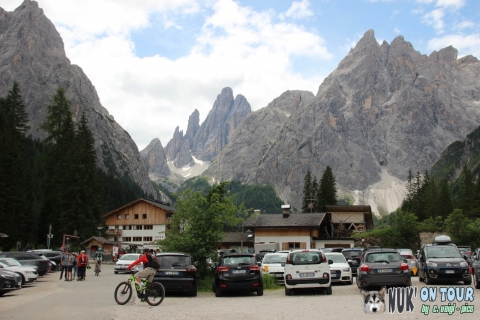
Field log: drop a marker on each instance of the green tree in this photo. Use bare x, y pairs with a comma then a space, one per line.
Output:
458, 227
466, 194
404, 229
197, 224
327, 192
308, 194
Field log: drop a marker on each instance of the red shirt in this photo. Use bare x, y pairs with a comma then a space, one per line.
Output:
79, 259
143, 258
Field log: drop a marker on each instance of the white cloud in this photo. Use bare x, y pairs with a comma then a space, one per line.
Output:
435, 19
464, 25
465, 44
456, 4
298, 10
237, 47
397, 31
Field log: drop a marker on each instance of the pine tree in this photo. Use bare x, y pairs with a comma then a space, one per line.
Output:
327, 193
445, 204
314, 194
466, 196
307, 192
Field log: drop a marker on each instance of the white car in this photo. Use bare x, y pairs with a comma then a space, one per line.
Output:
28, 273
274, 264
126, 260
340, 269
307, 269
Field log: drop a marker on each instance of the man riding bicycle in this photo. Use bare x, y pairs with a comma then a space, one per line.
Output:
150, 266
98, 257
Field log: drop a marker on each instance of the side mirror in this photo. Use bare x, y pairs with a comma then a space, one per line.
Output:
259, 263
349, 260
330, 261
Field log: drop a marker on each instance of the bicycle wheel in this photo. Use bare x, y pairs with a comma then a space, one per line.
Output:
123, 292
97, 270
154, 293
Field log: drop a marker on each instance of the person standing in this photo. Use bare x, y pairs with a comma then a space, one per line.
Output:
74, 266
63, 261
82, 263
69, 266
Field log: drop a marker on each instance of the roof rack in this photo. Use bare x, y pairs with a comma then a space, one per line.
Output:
442, 239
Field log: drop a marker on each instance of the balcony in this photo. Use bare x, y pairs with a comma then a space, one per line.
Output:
114, 232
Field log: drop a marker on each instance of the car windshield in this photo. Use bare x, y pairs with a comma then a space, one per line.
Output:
11, 262
352, 254
174, 261
239, 260
442, 252
129, 257
275, 258
336, 258
384, 257
308, 257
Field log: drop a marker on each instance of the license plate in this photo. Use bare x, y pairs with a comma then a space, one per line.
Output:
279, 276
121, 267
449, 271
384, 270
172, 273
239, 271
307, 275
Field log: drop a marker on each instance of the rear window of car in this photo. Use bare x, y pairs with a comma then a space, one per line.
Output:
174, 261
384, 257
352, 254
275, 258
238, 260
442, 252
307, 257
336, 258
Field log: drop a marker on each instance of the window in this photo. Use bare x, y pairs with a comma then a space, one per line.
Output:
127, 238
148, 227
147, 238
137, 227
293, 245
137, 238
144, 216
127, 227
116, 227
135, 216
127, 216
119, 217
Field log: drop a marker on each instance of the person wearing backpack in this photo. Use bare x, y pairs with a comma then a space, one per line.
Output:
98, 257
82, 263
150, 266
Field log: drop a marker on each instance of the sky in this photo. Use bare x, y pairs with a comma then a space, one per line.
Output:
154, 62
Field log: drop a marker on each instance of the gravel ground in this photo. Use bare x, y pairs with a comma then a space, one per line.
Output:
51, 298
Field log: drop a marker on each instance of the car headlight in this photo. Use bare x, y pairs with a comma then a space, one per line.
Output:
29, 272
431, 264
464, 264
346, 269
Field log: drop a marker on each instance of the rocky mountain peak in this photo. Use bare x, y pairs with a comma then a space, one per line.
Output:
155, 158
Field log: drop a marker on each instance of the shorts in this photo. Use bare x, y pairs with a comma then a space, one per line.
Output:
69, 268
147, 273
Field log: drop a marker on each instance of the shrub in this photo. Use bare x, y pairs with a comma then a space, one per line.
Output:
270, 282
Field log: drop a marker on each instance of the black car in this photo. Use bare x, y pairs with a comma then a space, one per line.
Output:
55, 256
442, 262
337, 249
353, 256
383, 267
9, 281
29, 258
237, 272
177, 272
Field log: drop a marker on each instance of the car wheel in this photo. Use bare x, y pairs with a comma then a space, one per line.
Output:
328, 290
116, 272
428, 281
468, 282
23, 278
475, 279
2, 293
218, 292
193, 293
288, 292
260, 291
420, 278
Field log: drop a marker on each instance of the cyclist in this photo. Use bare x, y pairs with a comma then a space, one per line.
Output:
150, 266
98, 257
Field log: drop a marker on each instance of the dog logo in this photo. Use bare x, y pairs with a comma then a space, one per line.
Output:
374, 301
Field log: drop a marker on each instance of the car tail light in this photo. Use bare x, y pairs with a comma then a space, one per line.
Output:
191, 269
366, 268
326, 274
404, 266
324, 259
288, 261
288, 277
254, 268
223, 269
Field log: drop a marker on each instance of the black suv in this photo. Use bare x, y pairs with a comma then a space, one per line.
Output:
442, 262
353, 257
237, 272
55, 256
29, 259
177, 272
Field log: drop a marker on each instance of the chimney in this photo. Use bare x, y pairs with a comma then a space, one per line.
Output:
286, 210
256, 214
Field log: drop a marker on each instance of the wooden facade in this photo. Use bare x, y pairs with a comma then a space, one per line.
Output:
287, 232
138, 213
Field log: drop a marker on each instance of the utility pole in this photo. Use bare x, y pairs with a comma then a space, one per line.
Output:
310, 205
49, 235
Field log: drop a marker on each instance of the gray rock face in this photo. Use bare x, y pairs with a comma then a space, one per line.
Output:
386, 107
32, 54
156, 161
178, 149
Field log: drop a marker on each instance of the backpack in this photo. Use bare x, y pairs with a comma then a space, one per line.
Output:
152, 262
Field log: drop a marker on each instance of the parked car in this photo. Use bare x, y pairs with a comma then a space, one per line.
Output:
353, 257
177, 272
9, 281
237, 272
307, 269
337, 249
29, 258
442, 262
28, 274
383, 267
340, 270
125, 260
54, 256
412, 262
476, 267
274, 264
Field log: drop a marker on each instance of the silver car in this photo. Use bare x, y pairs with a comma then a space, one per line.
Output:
412, 262
274, 264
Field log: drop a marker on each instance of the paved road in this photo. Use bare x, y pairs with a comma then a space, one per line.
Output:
51, 298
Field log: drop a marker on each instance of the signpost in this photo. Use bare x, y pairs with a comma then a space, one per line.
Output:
49, 236
67, 236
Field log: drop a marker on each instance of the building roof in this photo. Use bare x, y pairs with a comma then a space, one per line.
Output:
102, 240
366, 210
236, 237
273, 220
160, 204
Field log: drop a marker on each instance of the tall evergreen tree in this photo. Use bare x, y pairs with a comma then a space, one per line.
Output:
307, 192
327, 192
445, 203
466, 194
314, 194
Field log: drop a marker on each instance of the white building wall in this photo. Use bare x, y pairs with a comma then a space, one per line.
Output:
281, 240
157, 233
319, 244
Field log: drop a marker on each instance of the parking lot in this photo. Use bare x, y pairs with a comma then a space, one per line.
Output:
51, 298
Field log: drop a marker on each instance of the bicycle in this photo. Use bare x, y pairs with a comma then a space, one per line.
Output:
153, 293
97, 267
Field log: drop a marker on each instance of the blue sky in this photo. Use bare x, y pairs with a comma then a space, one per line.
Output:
154, 62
